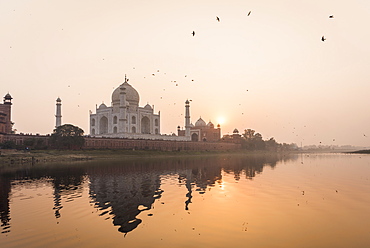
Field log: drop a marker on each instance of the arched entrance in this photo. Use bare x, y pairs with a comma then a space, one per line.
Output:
145, 125
194, 137
103, 125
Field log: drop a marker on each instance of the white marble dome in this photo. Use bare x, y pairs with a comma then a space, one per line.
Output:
200, 123
148, 107
132, 96
102, 106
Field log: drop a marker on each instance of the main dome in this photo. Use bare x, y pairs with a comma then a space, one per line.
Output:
200, 123
132, 96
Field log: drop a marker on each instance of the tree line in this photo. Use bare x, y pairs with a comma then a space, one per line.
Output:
251, 140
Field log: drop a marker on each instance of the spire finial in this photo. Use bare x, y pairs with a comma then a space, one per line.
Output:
125, 79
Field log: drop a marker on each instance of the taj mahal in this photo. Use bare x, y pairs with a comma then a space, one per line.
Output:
126, 119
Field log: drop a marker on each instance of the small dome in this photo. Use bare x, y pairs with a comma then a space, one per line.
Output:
58, 99
236, 131
210, 124
187, 102
102, 106
200, 123
191, 125
148, 107
8, 97
132, 96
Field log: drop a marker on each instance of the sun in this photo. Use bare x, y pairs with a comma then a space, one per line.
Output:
220, 120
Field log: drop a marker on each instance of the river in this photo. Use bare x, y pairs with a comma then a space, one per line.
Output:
298, 200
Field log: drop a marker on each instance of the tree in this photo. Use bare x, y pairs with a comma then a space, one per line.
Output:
248, 133
67, 136
271, 144
252, 140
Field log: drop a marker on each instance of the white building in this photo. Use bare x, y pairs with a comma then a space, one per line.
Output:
125, 119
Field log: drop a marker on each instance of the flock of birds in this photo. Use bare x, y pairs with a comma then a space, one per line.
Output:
218, 19
249, 13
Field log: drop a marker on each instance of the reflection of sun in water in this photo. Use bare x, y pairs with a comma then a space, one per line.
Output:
220, 120
221, 184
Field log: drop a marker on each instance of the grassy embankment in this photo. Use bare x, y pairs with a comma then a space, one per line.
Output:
46, 156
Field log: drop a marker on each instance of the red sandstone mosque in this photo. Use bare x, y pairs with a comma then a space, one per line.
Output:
200, 131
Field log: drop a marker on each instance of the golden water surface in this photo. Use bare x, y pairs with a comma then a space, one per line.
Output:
305, 200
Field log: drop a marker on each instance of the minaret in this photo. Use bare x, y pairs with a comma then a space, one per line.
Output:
8, 111
58, 116
122, 121
187, 119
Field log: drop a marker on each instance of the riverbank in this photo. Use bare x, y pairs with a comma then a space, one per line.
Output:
16, 157
9, 157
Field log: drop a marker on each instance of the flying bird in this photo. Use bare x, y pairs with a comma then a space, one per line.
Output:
218, 19
249, 13
331, 16
323, 38
193, 33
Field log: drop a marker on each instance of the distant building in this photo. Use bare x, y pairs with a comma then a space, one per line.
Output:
5, 115
234, 138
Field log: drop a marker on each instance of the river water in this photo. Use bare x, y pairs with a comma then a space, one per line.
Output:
300, 200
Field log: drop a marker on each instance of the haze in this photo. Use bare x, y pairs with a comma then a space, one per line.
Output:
269, 71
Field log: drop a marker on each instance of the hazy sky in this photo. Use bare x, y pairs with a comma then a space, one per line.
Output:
269, 71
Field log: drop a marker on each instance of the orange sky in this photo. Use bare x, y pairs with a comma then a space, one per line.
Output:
269, 71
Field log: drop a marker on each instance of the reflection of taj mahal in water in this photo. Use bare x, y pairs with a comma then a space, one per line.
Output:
125, 119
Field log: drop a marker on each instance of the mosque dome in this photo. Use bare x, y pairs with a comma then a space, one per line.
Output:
132, 96
148, 107
58, 99
210, 124
200, 123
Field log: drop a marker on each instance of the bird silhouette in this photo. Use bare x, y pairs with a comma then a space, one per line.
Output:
323, 38
193, 33
331, 16
249, 13
218, 19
